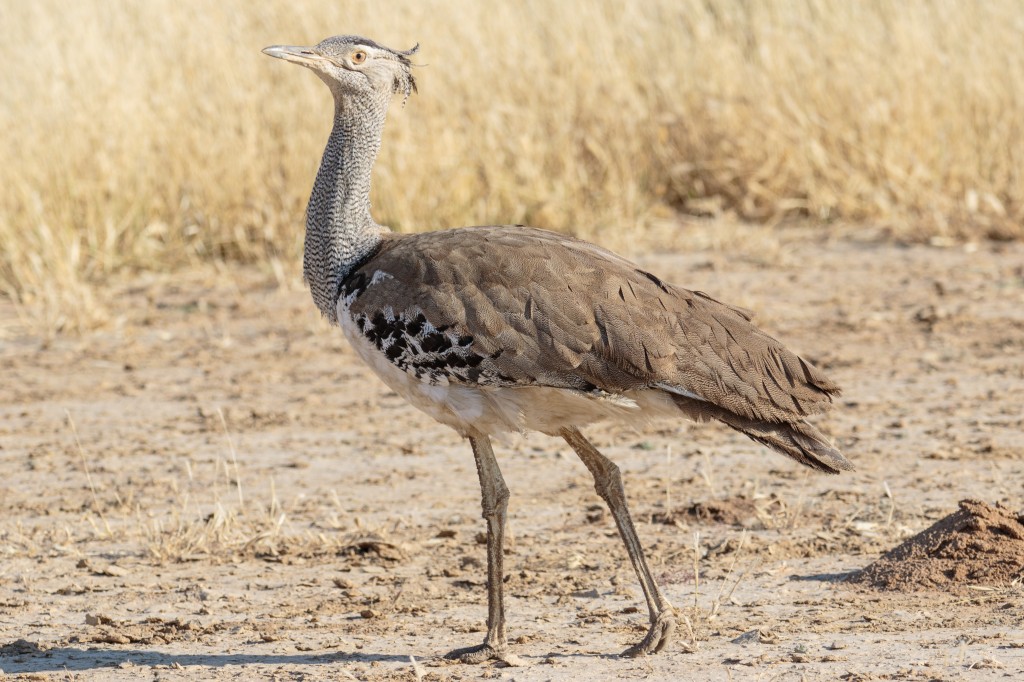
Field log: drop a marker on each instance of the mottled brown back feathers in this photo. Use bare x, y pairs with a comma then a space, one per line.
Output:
544, 309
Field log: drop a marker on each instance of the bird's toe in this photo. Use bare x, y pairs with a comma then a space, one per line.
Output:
657, 638
486, 652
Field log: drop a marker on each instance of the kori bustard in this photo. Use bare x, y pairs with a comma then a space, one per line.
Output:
510, 328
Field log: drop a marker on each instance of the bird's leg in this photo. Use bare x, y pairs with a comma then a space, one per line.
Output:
608, 483
495, 503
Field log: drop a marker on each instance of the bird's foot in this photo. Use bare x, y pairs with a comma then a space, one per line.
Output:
486, 652
657, 637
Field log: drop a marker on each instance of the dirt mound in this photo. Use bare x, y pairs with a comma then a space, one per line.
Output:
978, 544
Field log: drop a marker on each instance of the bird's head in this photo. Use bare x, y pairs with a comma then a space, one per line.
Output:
354, 66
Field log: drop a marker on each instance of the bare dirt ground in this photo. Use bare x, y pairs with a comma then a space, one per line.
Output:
215, 488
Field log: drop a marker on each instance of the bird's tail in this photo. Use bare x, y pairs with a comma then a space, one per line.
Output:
796, 439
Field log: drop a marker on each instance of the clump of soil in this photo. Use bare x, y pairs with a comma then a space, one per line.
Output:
734, 511
979, 544
106, 630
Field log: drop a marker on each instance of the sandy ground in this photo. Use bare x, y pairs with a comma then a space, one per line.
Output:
215, 488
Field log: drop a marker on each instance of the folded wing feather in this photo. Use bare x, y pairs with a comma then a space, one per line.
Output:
545, 309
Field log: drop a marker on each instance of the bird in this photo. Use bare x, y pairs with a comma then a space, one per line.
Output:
508, 328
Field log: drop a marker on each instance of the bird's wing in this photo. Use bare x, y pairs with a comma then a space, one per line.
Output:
516, 306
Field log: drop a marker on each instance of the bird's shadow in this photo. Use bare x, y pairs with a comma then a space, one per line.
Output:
31, 658
35, 659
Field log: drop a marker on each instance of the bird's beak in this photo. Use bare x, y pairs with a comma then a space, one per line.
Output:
294, 53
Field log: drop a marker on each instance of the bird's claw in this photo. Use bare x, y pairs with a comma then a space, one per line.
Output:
486, 652
657, 637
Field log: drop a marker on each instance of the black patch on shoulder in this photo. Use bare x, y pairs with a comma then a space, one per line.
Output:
355, 283
435, 343
415, 326
432, 354
382, 329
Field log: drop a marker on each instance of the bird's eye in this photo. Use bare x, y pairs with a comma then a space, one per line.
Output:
358, 57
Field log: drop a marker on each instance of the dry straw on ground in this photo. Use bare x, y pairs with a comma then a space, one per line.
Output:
153, 134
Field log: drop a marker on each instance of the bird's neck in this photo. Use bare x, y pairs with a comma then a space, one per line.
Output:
340, 233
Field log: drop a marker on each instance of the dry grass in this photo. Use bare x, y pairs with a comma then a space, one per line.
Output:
150, 135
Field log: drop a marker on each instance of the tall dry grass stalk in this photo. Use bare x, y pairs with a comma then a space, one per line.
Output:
151, 134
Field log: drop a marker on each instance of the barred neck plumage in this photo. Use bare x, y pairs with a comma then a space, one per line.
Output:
340, 233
